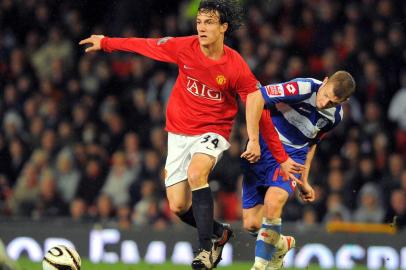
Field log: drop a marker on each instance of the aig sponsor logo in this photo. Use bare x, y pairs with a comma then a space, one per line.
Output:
201, 90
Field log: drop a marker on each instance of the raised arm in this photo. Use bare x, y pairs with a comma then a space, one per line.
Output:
94, 41
163, 49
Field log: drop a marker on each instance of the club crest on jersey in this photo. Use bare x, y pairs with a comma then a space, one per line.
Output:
221, 80
291, 88
201, 90
273, 90
321, 123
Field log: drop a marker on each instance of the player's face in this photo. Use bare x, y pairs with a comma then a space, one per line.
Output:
209, 28
325, 97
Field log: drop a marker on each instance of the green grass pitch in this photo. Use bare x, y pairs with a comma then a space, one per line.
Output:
86, 265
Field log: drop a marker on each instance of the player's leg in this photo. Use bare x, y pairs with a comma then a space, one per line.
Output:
275, 199
202, 205
253, 194
254, 204
270, 233
206, 152
178, 190
180, 202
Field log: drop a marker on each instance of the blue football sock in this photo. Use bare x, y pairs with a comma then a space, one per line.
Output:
268, 237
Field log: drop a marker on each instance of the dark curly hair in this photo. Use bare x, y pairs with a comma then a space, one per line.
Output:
230, 12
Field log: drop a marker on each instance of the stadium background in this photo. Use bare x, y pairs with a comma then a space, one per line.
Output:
82, 137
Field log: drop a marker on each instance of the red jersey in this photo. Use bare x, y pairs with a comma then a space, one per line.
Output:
203, 98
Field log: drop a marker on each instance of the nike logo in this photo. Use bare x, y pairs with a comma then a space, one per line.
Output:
187, 67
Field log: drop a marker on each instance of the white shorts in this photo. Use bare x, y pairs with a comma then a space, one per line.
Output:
181, 149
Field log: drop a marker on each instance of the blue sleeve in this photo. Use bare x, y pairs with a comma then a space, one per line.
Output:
289, 92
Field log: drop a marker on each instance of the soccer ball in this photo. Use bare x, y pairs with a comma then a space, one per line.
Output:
61, 258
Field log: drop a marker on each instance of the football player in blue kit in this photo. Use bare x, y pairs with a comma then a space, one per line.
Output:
302, 110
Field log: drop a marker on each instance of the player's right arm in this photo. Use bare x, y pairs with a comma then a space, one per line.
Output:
289, 92
163, 49
254, 107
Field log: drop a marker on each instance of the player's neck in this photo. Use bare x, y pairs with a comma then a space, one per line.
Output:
213, 51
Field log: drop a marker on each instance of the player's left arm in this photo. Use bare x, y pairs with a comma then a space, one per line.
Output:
306, 190
309, 158
338, 115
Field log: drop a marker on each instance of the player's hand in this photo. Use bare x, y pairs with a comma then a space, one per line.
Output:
253, 151
290, 167
94, 41
306, 192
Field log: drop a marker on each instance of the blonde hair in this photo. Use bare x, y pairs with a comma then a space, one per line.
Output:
343, 84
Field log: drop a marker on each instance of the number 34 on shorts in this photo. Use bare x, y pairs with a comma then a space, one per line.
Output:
212, 144
211, 141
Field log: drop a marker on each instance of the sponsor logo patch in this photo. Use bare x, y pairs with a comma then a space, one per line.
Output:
273, 90
199, 89
291, 89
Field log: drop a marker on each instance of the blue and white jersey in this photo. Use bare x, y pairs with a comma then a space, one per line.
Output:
294, 113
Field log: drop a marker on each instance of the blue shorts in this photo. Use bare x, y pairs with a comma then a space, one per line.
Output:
265, 173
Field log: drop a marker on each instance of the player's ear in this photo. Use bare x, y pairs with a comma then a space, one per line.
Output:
224, 27
324, 82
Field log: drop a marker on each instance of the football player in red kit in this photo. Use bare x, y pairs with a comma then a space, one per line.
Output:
200, 114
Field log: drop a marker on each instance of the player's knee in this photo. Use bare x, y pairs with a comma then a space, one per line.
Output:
178, 207
196, 178
251, 224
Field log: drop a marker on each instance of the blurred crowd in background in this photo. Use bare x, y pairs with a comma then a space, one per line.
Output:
82, 135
